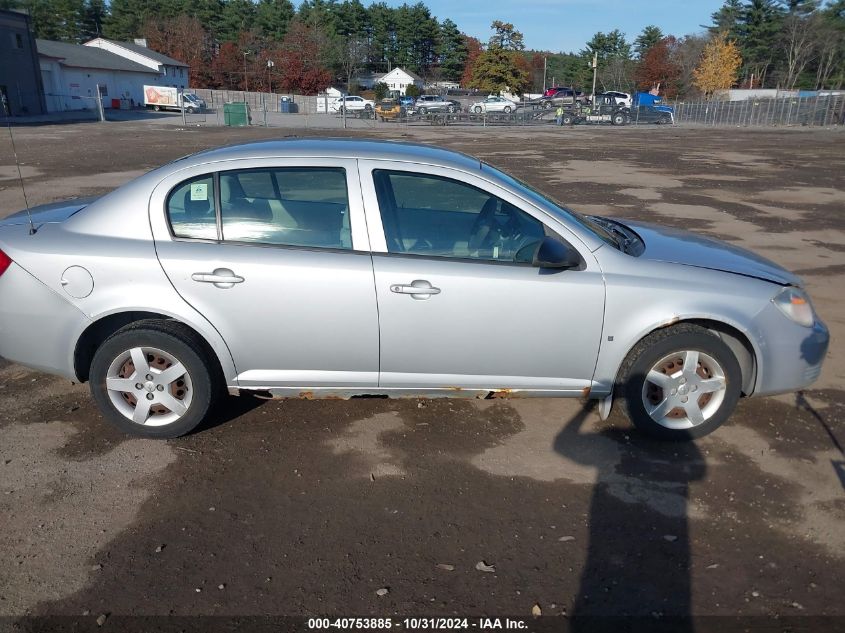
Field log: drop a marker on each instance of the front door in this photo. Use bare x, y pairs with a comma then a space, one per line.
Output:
273, 256
459, 307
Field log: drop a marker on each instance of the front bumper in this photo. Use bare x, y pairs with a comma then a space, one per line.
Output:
790, 355
38, 327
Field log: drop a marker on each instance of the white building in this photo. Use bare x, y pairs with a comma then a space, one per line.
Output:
171, 71
399, 79
71, 73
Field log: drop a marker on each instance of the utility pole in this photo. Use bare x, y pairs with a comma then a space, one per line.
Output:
544, 73
246, 77
595, 67
270, 65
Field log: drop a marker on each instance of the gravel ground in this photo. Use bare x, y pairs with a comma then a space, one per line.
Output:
312, 508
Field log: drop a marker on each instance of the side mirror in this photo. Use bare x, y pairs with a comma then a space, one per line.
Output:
552, 253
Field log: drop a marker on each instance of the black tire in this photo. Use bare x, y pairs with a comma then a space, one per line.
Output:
567, 119
508, 109
189, 110
181, 343
478, 109
423, 111
547, 105
157, 108
450, 109
656, 346
618, 119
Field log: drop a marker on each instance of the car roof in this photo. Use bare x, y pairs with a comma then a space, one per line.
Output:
339, 148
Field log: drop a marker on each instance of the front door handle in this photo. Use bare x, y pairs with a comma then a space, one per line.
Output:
418, 289
221, 278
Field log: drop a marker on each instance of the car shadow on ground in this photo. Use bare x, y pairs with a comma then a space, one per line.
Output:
647, 576
228, 410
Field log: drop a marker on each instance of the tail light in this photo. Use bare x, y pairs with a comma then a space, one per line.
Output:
5, 262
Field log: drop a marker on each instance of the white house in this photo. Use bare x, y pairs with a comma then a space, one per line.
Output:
171, 71
399, 79
70, 74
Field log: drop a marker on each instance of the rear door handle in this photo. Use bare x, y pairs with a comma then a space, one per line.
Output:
221, 277
418, 289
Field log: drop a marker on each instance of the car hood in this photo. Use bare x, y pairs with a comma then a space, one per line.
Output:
675, 246
48, 213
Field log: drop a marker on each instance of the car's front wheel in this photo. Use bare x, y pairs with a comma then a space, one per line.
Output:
478, 109
154, 379
680, 383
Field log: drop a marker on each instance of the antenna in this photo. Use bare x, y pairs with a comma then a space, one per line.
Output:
32, 229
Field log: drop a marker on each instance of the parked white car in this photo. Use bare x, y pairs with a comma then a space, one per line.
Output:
493, 104
621, 98
352, 103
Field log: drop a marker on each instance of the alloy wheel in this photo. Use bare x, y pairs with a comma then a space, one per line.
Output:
684, 389
149, 386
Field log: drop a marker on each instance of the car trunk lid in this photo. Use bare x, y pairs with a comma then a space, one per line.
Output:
47, 213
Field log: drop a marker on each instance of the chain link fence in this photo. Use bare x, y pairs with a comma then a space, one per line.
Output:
817, 111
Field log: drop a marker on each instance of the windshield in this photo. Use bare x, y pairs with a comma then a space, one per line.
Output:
568, 214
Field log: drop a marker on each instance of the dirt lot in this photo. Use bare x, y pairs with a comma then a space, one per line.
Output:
309, 508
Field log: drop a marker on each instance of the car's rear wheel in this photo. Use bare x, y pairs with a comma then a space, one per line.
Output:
680, 383
478, 109
507, 109
154, 379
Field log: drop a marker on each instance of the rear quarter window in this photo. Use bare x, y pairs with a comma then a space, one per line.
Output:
191, 209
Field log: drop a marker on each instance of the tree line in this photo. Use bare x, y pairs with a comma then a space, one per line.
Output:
273, 45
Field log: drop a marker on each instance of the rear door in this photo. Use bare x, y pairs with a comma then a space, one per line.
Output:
274, 253
458, 309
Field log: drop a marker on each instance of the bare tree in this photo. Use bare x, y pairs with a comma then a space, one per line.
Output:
351, 54
799, 37
617, 73
830, 48
685, 55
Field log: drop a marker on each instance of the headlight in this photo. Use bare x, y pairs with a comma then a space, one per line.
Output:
795, 303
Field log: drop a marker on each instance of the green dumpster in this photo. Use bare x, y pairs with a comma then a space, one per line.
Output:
236, 114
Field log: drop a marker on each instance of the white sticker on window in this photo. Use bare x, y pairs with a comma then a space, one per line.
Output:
199, 191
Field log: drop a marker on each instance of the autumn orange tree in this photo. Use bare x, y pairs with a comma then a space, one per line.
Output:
658, 69
719, 65
184, 38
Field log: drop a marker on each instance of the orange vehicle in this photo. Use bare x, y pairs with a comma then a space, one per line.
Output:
389, 110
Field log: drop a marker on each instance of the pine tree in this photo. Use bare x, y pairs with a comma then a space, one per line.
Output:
760, 26
650, 36
727, 19
272, 18
94, 14
452, 51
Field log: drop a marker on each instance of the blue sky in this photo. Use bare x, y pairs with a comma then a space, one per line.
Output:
565, 25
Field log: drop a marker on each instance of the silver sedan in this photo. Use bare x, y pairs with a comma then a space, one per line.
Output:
341, 268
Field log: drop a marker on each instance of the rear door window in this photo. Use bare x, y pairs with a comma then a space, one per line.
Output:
290, 206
